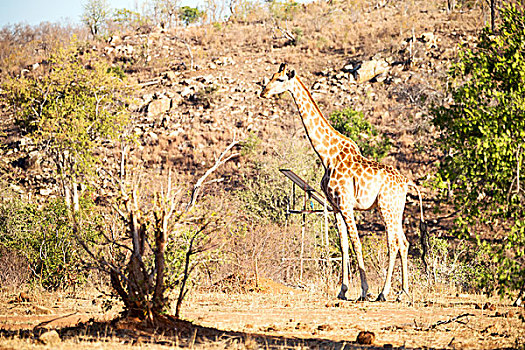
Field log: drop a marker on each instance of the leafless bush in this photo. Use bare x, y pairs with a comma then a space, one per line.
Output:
22, 45
15, 269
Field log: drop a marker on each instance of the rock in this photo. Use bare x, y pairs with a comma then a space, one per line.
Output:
224, 61
176, 100
325, 327
487, 306
148, 97
205, 79
24, 141
156, 107
187, 91
50, 338
124, 49
371, 69
24, 297
365, 337
152, 138
114, 40
397, 81
349, 68
170, 75
429, 39
45, 191
333, 304
16, 188
41, 310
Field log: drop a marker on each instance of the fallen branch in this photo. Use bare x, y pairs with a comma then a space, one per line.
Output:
453, 319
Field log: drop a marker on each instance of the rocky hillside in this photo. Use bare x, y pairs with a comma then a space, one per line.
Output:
197, 87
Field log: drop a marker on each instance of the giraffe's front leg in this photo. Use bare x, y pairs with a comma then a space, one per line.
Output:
343, 238
348, 218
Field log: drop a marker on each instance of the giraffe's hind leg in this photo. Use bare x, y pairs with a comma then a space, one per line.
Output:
393, 248
396, 242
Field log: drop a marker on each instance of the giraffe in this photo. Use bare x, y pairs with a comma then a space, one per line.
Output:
352, 182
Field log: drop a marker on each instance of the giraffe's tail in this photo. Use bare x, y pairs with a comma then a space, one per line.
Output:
423, 228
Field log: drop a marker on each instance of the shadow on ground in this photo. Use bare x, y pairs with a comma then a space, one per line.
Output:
179, 333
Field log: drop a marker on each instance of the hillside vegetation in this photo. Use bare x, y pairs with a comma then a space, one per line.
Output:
189, 91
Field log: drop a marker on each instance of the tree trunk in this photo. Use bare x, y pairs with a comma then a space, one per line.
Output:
492, 14
76, 200
159, 301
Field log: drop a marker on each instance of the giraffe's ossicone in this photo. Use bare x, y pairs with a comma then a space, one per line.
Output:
352, 182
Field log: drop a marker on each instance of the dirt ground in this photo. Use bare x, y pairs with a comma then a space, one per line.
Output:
280, 318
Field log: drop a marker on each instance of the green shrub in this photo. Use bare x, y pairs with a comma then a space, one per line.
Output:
44, 236
117, 71
483, 139
127, 19
461, 266
353, 125
250, 145
190, 15
283, 10
266, 191
298, 33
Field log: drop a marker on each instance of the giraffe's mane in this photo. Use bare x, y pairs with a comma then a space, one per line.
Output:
352, 142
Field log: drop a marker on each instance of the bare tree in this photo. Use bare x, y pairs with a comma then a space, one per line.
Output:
142, 286
95, 14
166, 12
215, 9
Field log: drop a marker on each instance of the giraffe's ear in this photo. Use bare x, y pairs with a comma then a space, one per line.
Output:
291, 74
282, 67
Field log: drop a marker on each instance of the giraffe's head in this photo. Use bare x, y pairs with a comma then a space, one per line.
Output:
280, 82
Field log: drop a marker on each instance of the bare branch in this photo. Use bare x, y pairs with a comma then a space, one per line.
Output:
189, 253
220, 161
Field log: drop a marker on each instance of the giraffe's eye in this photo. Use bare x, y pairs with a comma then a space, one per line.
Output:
281, 80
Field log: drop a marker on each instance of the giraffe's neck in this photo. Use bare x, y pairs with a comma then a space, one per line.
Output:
326, 141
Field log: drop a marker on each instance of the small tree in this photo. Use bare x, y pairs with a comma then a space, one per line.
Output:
190, 15
127, 19
483, 139
69, 112
95, 14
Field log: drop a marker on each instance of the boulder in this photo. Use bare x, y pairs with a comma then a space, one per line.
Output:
50, 338
365, 338
370, 69
156, 107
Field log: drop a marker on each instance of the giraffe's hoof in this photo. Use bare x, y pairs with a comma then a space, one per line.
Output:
362, 298
341, 297
381, 297
404, 296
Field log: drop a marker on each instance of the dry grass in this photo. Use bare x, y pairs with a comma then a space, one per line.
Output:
257, 263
